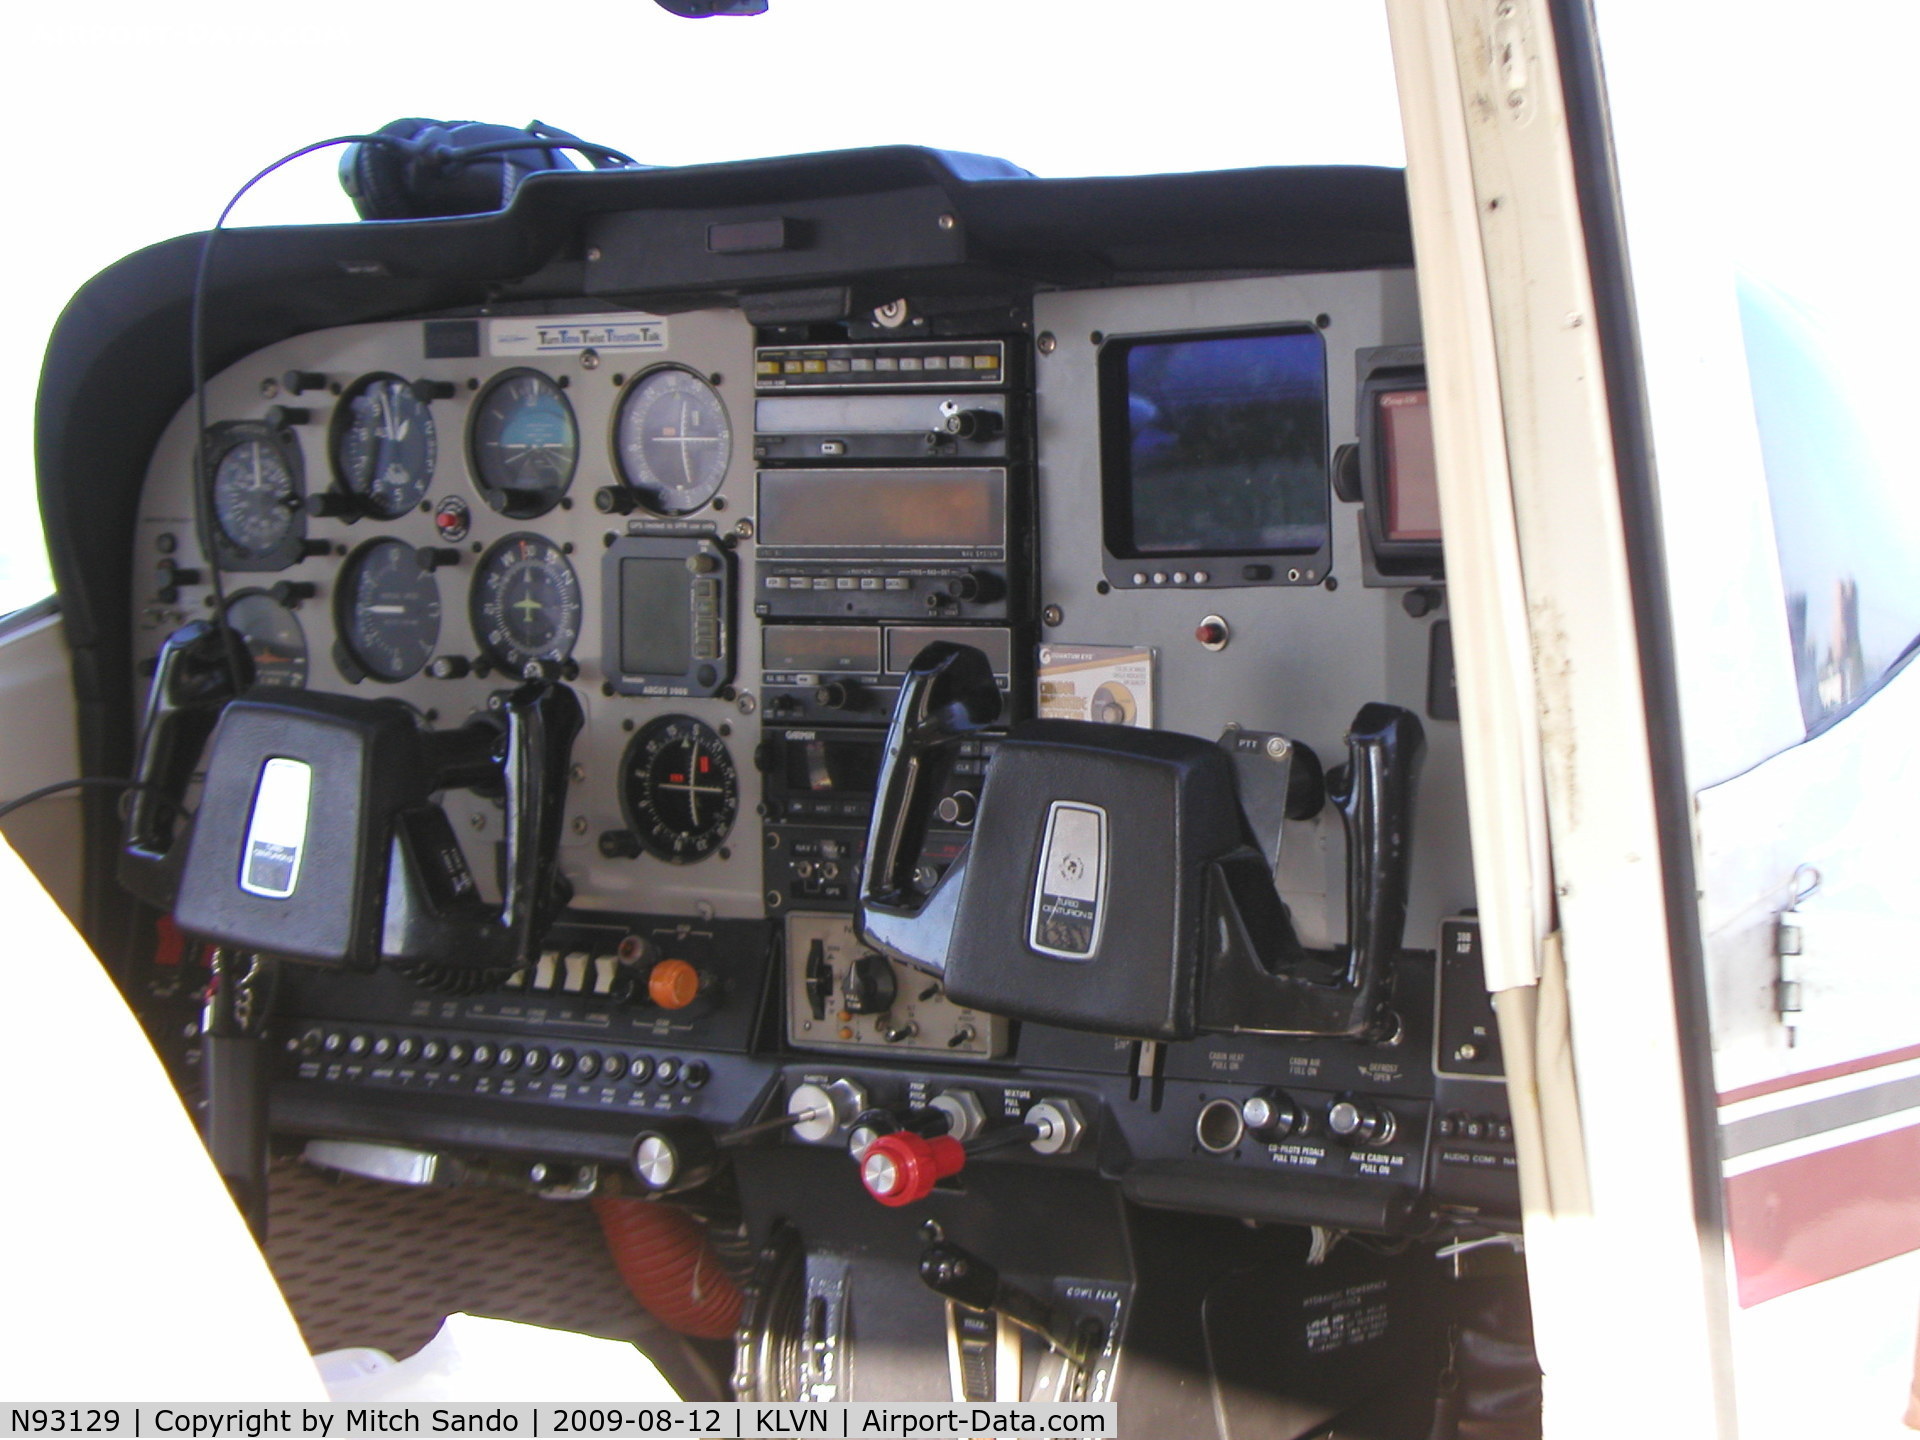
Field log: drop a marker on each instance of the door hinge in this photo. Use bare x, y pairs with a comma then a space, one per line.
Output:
1790, 948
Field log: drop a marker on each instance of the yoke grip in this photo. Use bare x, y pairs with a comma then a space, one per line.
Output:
193, 679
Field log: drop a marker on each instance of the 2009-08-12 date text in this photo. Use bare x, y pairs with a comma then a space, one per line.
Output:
654, 1421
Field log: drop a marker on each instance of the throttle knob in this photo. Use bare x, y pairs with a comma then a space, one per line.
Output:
1359, 1123
903, 1167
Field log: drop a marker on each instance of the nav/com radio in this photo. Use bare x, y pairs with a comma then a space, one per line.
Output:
896, 544
894, 510
892, 483
841, 674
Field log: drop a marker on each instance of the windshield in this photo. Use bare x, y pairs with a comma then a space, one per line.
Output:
152, 122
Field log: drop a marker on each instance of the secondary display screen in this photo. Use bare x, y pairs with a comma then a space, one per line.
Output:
821, 649
1406, 440
656, 633
880, 510
1215, 444
834, 766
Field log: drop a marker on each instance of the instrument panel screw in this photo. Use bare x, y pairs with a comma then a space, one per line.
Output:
589, 359
269, 388
1046, 344
593, 253
1053, 615
947, 222
578, 774
579, 824
476, 821
743, 528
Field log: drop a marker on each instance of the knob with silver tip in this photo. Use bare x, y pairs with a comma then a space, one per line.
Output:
1057, 1125
966, 1116
1360, 1122
826, 1109
1270, 1115
673, 1155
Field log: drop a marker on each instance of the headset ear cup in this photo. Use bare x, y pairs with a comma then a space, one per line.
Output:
376, 175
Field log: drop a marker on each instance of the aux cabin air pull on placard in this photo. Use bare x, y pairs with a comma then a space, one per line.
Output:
1070, 892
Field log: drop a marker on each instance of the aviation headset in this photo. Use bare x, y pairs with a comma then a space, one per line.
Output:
431, 168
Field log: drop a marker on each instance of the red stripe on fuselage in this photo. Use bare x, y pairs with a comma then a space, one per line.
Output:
1809, 1219
1814, 1077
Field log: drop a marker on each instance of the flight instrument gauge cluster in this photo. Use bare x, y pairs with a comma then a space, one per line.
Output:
435, 512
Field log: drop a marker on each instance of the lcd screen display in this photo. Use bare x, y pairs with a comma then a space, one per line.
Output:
905, 642
821, 648
880, 510
656, 625
1413, 491
1215, 444
834, 766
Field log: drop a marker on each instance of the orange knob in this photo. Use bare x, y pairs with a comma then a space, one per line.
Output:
673, 984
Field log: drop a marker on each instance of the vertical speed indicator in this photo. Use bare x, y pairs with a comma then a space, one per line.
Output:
678, 789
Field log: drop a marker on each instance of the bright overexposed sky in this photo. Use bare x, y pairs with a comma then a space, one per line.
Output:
134, 123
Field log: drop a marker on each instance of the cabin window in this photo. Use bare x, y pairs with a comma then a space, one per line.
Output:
1838, 445
1765, 237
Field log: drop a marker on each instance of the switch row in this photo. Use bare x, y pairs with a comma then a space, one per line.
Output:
504, 1057
1457, 1124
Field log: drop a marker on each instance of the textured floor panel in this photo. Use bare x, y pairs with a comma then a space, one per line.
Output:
365, 1263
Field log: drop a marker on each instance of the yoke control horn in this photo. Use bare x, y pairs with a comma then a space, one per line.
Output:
1114, 881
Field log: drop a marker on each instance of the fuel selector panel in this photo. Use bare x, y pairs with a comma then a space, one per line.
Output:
843, 996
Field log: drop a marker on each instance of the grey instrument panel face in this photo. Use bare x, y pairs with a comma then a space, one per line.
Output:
405, 622
1299, 660
1296, 659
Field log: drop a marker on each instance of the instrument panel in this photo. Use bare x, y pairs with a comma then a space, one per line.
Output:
731, 545
396, 523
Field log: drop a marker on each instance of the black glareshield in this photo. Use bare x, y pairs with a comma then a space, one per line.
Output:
317, 838
1111, 884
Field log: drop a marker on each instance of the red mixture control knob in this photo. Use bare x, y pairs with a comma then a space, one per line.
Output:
901, 1168
673, 984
